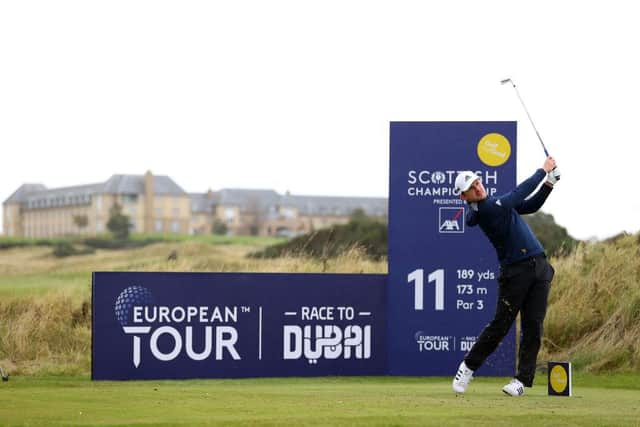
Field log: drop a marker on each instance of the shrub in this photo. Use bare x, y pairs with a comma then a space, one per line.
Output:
555, 238
66, 248
365, 233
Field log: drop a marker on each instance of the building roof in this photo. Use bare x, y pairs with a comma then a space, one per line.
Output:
248, 200
202, 202
20, 194
39, 196
338, 206
134, 184
268, 201
35, 194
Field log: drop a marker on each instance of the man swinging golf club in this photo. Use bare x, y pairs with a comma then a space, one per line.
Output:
525, 274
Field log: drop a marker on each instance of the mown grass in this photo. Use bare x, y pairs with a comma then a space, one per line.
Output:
356, 401
212, 239
141, 239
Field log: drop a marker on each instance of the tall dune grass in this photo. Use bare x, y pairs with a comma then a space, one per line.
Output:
593, 318
45, 324
48, 334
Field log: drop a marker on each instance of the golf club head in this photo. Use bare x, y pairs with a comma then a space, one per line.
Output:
505, 81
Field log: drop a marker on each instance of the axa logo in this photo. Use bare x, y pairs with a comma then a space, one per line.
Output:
171, 331
451, 220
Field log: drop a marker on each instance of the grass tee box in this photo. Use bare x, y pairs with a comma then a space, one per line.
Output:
230, 325
610, 400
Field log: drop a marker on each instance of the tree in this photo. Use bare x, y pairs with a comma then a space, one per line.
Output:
81, 221
357, 215
555, 238
219, 228
118, 223
255, 214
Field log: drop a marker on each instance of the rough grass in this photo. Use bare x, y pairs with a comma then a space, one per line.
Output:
594, 312
593, 318
45, 325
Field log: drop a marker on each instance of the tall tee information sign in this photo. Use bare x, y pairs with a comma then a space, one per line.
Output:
443, 274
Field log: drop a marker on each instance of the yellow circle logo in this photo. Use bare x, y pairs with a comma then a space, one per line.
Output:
494, 149
558, 379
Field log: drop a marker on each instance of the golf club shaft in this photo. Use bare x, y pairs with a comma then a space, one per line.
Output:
528, 115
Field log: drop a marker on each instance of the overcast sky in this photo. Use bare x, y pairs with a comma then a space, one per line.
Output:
298, 95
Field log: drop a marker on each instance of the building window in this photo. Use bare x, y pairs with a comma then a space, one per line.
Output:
229, 214
99, 203
288, 213
159, 226
132, 225
99, 227
175, 226
129, 198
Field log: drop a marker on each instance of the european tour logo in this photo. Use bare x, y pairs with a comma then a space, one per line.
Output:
177, 326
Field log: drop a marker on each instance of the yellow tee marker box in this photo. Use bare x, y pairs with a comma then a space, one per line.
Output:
559, 378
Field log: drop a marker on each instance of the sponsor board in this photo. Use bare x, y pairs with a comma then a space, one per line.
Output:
421, 319
219, 325
442, 286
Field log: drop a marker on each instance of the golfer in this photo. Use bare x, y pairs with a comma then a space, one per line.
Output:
525, 274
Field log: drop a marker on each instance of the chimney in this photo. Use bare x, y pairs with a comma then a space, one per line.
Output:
148, 202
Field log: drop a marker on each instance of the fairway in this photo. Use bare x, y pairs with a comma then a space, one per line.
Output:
312, 401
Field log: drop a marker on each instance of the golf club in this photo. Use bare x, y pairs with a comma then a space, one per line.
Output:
505, 81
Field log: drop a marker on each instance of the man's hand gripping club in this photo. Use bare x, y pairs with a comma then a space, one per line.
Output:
553, 173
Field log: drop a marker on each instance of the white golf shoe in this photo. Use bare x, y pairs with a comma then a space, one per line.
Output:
514, 388
462, 378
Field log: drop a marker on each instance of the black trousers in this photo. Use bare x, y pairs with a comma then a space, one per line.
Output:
524, 288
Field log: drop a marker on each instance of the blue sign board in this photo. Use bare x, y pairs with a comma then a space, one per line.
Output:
442, 284
420, 319
230, 325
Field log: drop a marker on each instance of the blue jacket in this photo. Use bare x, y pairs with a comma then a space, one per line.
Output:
499, 218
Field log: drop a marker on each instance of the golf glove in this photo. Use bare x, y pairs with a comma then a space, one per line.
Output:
553, 176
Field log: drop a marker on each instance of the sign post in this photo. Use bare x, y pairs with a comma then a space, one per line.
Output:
442, 285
